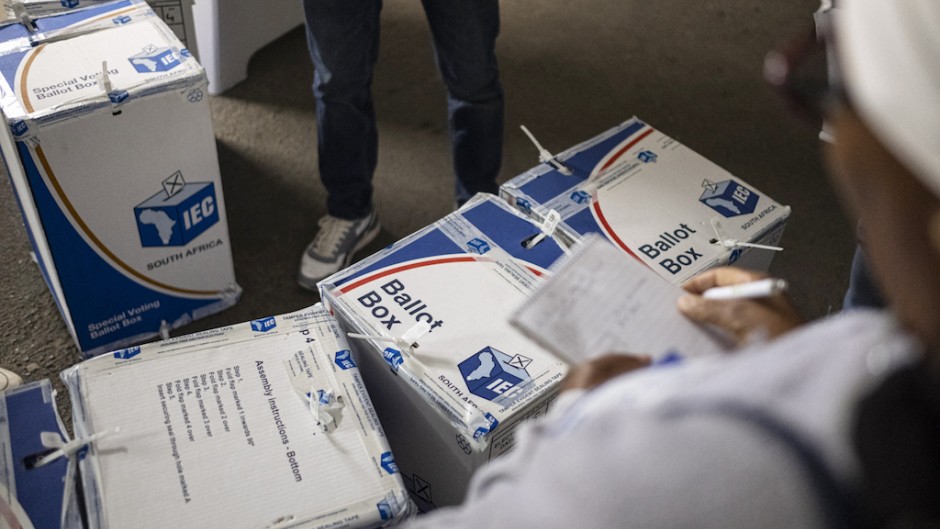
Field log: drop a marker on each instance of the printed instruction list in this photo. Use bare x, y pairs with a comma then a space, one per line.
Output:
199, 432
202, 406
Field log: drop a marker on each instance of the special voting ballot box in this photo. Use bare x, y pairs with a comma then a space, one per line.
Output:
34, 493
654, 198
454, 400
177, 14
110, 149
263, 424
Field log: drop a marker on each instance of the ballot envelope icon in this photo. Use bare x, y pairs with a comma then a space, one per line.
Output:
493, 374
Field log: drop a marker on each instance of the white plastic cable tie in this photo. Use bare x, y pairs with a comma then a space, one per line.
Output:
20, 12
70, 448
544, 155
734, 243
547, 228
105, 78
406, 343
326, 408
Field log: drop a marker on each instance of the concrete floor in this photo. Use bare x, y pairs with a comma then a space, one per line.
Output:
571, 70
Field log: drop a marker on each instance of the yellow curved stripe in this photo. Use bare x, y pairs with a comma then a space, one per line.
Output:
29, 62
102, 247
23, 85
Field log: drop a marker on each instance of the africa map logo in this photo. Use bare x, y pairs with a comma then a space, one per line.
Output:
729, 198
178, 214
493, 374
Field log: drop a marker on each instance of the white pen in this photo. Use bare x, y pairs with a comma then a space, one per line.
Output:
755, 289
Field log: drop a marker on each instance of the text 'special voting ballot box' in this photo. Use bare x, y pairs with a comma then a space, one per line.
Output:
109, 145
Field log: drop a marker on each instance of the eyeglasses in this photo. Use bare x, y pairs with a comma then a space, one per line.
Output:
805, 72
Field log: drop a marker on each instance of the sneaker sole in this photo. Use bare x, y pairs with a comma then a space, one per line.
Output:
367, 237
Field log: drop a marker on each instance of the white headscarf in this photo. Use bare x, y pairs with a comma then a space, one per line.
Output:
889, 54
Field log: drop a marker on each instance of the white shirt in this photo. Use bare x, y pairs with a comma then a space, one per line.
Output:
666, 447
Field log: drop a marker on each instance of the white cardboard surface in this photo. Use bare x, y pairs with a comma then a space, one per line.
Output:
426, 401
656, 200
117, 175
213, 434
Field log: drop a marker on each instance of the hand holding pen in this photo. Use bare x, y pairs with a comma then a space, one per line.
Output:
748, 305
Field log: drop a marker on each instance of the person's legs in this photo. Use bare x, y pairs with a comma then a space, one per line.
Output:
343, 37
465, 34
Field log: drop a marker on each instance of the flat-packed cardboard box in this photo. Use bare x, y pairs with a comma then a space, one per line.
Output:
261, 424
656, 199
34, 495
454, 401
110, 149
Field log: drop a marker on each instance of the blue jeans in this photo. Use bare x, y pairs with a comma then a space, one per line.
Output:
343, 37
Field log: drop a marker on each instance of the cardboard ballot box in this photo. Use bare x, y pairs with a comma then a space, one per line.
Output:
655, 199
263, 424
177, 14
34, 495
110, 149
453, 401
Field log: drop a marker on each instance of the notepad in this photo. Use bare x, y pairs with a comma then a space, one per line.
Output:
600, 301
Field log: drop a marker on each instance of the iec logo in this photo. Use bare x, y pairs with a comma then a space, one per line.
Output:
491, 424
69, 3
392, 357
478, 246
263, 324
123, 19
178, 214
153, 59
524, 204
647, 156
388, 463
19, 128
118, 96
344, 360
729, 198
581, 197
126, 354
493, 374
385, 510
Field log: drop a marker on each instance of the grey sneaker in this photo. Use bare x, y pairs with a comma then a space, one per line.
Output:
9, 379
334, 246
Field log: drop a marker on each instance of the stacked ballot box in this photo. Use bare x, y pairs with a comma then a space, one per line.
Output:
176, 14
450, 399
33, 493
655, 199
262, 424
109, 145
